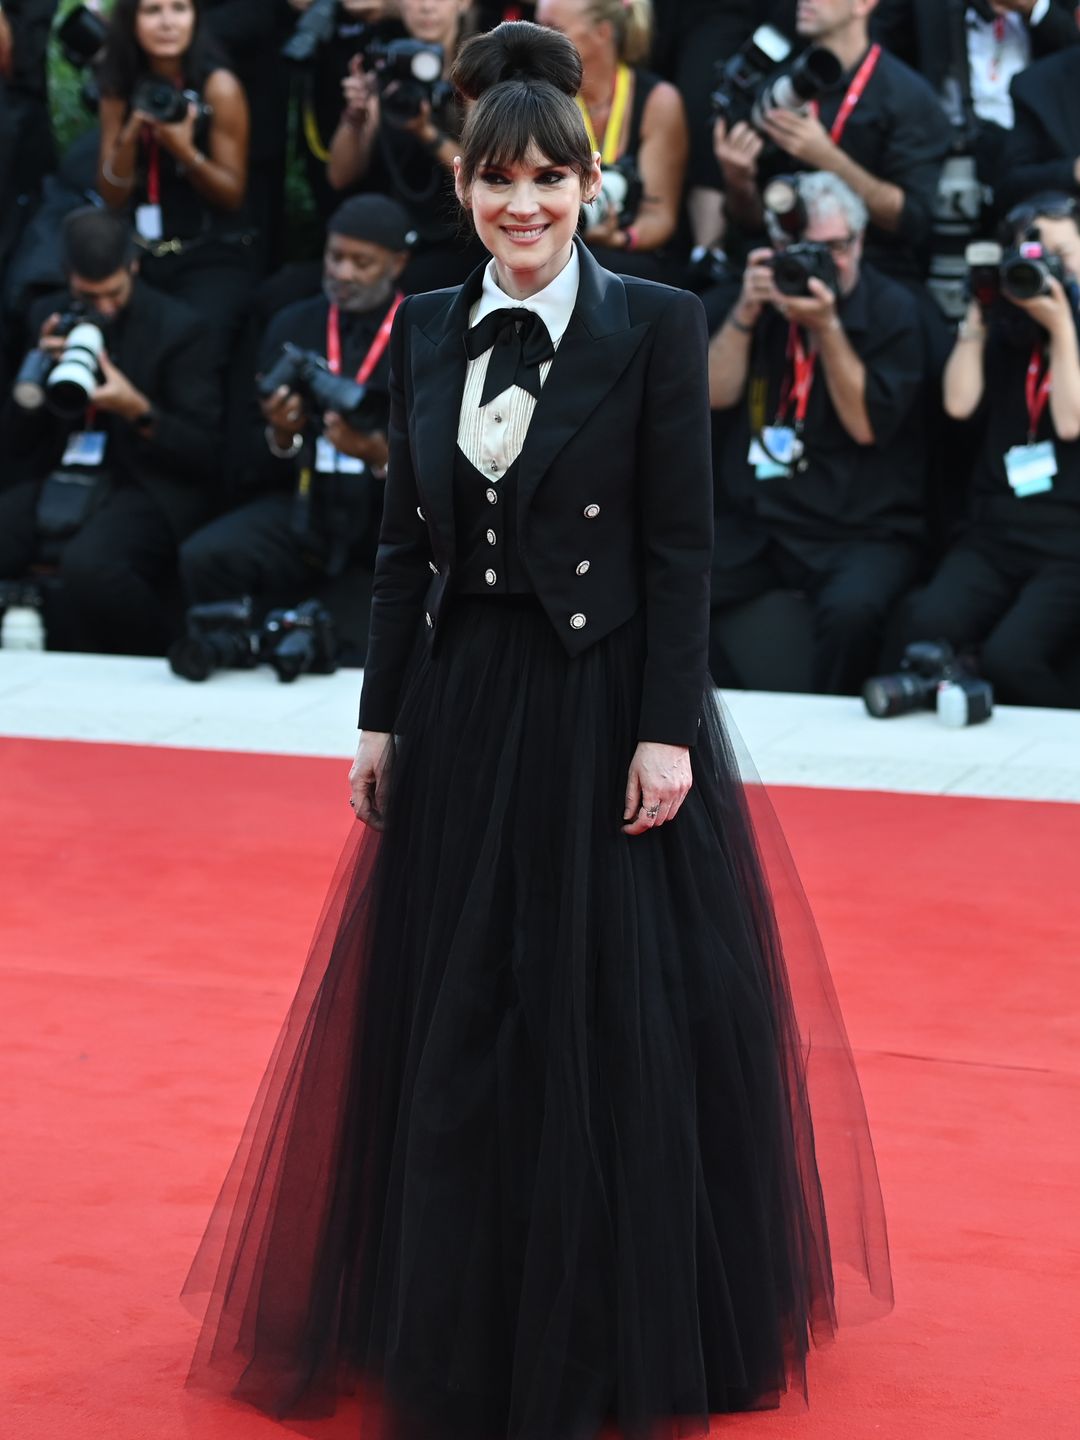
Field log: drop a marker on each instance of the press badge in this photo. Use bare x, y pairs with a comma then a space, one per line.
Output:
148, 222
1031, 469
774, 454
329, 461
85, 447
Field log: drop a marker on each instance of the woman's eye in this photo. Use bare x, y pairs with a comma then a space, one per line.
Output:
553, 177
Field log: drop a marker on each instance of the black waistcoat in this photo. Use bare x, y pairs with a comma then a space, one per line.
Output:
485, 523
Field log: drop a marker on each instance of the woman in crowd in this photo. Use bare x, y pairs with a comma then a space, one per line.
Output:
183, 179
638, 123
540, 1145
414, 146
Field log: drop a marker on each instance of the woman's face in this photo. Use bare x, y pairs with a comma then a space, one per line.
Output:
572, 19
164, 29
526, 215
434, 21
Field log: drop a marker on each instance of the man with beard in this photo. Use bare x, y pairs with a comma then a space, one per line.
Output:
319, 477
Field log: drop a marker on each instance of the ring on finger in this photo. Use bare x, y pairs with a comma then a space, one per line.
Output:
652, 811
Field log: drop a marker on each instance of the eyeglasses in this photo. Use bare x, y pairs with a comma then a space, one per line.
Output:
841, 247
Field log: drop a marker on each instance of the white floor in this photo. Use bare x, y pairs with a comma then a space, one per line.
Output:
793, 739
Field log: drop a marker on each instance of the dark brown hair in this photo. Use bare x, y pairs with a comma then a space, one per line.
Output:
522, 79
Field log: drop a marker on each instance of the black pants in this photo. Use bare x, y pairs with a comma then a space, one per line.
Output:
116, 573
216, 278
851, 589
1018, 607
250, 551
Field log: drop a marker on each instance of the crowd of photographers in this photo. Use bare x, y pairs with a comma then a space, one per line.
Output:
877, 201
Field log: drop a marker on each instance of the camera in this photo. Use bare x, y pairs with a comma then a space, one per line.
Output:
306, 373
314, 29
298, 640
957, 217
408, 73
81, 36
67, 385
1026, 271
22, 626
164, 103
785, 211
806, 260
219, 636
747, 84
930, 678
620, 194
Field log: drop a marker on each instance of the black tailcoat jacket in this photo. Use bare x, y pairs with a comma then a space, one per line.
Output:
615, 470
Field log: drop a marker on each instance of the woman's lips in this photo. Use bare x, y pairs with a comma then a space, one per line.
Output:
524, 234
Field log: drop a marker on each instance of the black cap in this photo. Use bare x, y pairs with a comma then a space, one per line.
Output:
375, 218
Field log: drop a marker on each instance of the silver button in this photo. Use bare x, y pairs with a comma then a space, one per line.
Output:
577, 622
433, 567
582, 568
494, 467
490, 576
491, 537
497, 419
427, 617
591, 512
493, 496
419, 512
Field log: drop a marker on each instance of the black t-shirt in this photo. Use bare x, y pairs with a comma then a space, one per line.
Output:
848, 491
1049, 521
899, 133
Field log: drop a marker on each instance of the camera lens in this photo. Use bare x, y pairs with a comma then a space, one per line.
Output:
1024, 279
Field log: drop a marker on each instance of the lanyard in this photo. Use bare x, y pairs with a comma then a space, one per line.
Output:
797, 391
1037, 390
620, 99
853, 96
153, 170
378, 345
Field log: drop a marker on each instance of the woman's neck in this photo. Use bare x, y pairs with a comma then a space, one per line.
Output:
520, 284
169, 67
598, 82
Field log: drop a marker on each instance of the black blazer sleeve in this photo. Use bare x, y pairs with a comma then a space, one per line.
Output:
675, 496
401, 565
1057, 29
1045, 138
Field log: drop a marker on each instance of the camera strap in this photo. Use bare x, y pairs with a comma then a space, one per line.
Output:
378, 345
795, 399
855, 93
1037, 388
620, 100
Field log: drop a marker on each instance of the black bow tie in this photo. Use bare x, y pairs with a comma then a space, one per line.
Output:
519, 343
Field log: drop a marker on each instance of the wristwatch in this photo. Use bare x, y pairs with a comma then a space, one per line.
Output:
144, 423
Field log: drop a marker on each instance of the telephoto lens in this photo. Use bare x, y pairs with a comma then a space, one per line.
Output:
886, 696
815, 71
219, 636
72, 381
28, 392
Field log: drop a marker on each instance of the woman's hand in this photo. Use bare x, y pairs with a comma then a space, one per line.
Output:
359, 91
178, 138
659, 781
369, 778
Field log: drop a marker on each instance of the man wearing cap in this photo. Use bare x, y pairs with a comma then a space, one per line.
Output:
318, 478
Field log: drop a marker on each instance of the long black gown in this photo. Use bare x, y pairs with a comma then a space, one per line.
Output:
536, 1150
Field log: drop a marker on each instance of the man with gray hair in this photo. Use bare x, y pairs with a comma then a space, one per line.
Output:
821, 475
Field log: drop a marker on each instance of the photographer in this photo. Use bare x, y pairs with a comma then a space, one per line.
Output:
637, 123
183, 176
1043, 151
122, 482
822, 469
1010, 587
319, 478
409, 127
880, 129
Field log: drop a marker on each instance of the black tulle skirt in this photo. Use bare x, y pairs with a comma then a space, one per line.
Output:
546, 1142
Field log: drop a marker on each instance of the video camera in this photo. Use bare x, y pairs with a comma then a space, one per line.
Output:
748, 86
930, 678
66, 384
223, 636
306, 373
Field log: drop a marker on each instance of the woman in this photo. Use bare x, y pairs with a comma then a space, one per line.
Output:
638, 123
535, 1148
183, 180
413, 147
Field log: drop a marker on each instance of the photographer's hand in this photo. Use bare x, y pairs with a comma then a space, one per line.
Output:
284, 412
360, 94
371, 448
737, 153
1052, 311
844, 371
48, 339
116, 395
802, 135
815, 312
179, 138
605, 232
729, 348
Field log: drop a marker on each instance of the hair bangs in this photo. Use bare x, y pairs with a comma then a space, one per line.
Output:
516, 120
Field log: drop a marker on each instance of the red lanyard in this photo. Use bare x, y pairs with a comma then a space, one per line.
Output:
1037, 390
853, 96
378, 345
797, 391
153, 170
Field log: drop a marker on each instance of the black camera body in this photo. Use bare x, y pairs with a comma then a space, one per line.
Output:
748, 85
164, 103
620, 193
794, 267
81, 36
930, 678
306, 373
408, 73
299, 640
219, 636
1023, 273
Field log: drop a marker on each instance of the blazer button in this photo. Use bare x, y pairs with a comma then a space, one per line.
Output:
577, 622
490, 577
419, 512
591, 512
491, 536
427, 617
433, 567
582, 568
492, 496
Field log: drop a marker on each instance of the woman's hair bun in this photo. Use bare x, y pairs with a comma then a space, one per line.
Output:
516, 50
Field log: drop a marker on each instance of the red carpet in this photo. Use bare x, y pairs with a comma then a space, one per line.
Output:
138, 885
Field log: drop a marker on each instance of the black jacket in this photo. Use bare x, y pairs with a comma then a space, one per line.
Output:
918, 32
165, 350
615, 470
1045, 139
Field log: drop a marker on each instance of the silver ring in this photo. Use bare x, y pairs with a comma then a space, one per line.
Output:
653, 811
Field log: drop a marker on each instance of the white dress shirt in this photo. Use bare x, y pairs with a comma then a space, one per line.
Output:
491, 436
997, 51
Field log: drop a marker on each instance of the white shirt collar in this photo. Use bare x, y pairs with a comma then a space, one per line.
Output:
554, 303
